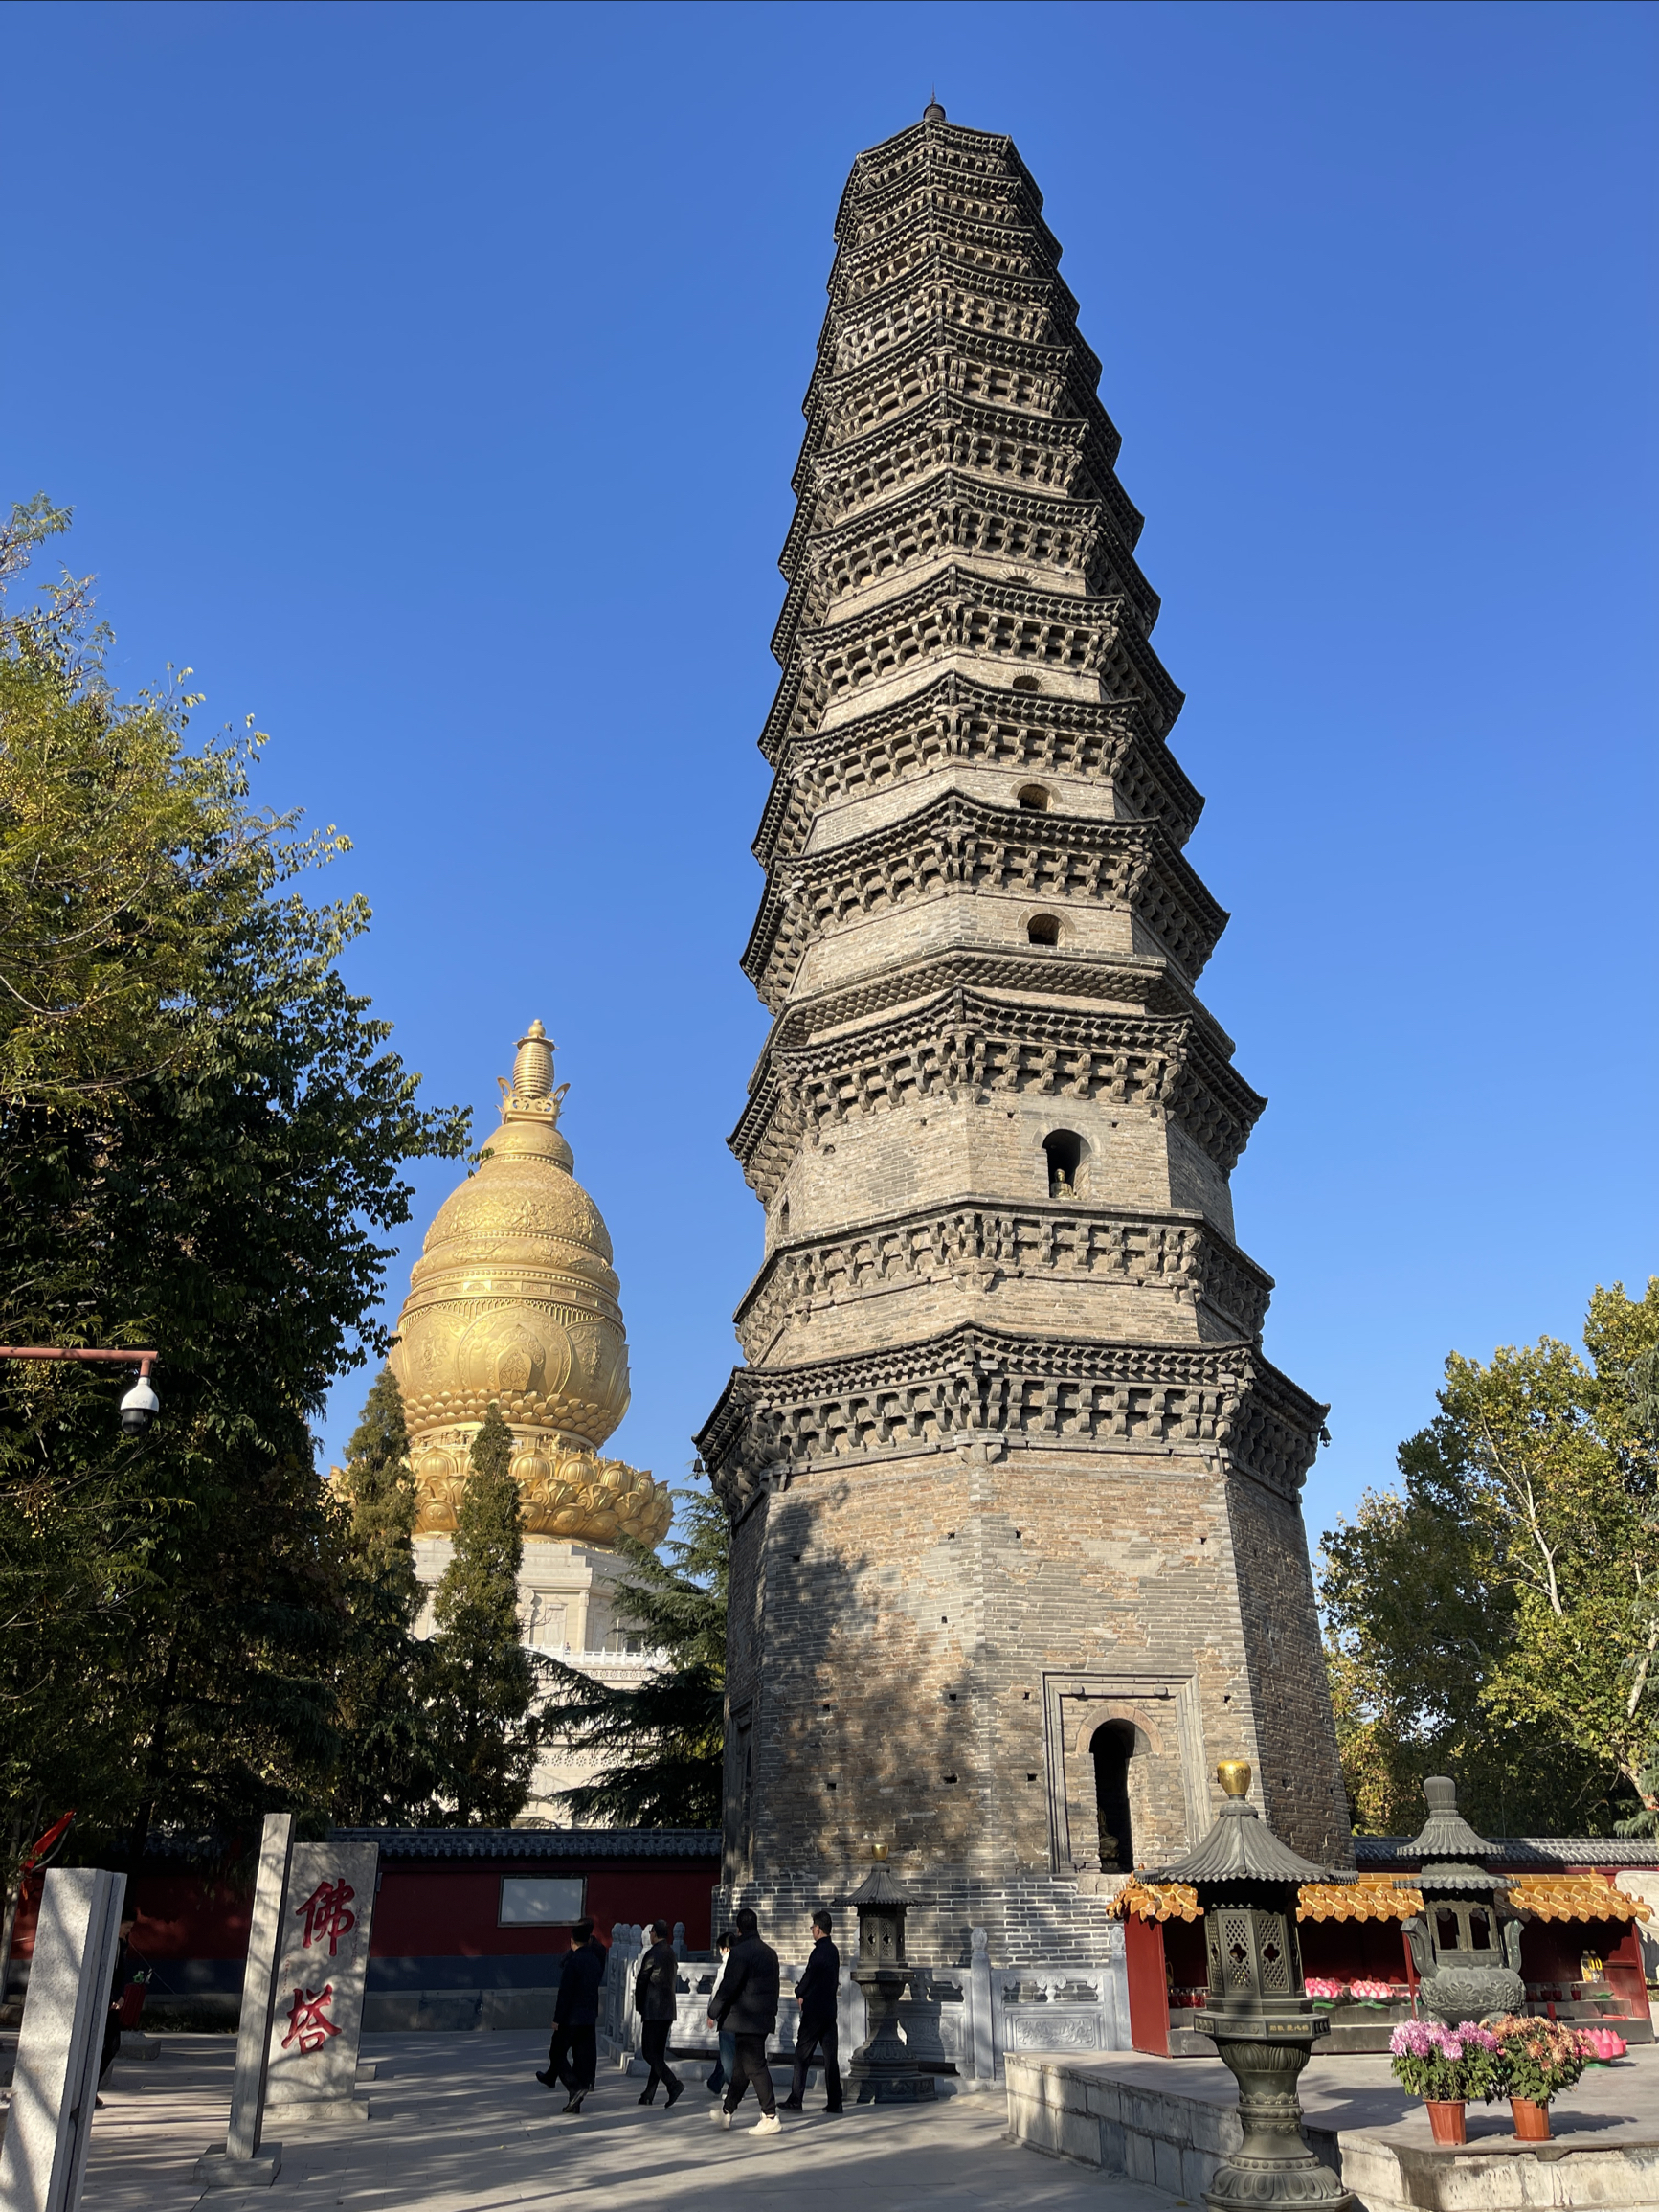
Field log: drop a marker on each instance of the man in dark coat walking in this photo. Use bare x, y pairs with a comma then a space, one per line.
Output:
748, 2000
577, 2018
655, 2003
119, 1975
819, 1989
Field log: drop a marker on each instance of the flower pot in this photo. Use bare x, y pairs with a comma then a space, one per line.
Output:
1532, 2121
1446, 2120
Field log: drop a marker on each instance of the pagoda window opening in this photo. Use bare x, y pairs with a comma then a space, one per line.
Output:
1064, 1151
1042, 929
1034, 798
1026, 683
1479, 1930
1447, 1936
1112, 1749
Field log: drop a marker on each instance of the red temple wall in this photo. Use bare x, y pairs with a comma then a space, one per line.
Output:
424, 1908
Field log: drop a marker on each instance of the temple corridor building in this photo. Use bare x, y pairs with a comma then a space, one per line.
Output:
1017, 1544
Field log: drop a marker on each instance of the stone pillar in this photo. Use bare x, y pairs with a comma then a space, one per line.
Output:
244, 2162
54, 2084
317, 2022
981, 2024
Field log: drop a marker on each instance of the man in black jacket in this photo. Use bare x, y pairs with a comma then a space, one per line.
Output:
817, 1988
748, 2000
655, 2003
577, 2018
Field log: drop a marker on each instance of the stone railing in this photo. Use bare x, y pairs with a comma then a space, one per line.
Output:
960, 2023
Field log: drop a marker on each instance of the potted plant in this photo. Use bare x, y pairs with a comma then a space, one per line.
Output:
1540, 2059
1446, 2067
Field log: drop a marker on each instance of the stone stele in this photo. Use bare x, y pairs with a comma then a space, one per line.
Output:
317, 2022
513, 1300
245, 2158
43, 2155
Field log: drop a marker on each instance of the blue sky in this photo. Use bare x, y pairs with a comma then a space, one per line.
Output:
428, 377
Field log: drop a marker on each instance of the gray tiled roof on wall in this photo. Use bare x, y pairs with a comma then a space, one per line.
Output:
537, 1843
1526, 1850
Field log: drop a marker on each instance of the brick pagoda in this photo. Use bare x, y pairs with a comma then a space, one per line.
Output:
1018, 1546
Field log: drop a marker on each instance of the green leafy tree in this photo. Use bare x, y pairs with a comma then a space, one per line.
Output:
201, 1138
1499, 1616
128, 864
659, 1746
484, 1680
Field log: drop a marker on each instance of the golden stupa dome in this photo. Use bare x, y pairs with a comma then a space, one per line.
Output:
513, 1300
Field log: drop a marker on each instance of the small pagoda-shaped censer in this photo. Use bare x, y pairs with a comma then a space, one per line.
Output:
882, 2069
1466, 1943
1257, 2007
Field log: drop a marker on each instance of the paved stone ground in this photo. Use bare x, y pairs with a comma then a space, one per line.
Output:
466, 2125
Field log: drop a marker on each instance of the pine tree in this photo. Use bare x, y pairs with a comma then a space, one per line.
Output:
484, 1680
387, 1769
380, 1490
661, 1745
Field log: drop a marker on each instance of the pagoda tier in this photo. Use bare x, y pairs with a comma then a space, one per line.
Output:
955, 721
1125, 1271
957, 515
1084, 866
1184, 1112
1014, 1489
954, 615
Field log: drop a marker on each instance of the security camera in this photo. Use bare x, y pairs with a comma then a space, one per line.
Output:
139, 1408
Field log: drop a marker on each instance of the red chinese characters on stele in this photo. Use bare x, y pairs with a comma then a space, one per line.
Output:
308, 2021
325, 1915
321, 1976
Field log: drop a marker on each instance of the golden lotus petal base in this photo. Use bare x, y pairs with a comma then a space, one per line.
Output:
567, 1490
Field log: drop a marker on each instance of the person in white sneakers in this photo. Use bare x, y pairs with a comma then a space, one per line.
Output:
748, 2000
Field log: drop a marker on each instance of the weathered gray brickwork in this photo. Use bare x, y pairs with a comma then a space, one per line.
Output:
1017, 1544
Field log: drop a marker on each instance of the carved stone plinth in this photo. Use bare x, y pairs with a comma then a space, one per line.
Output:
1273, 2164
881, 2070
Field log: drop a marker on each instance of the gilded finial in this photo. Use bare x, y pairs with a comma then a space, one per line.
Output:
878, 1852
1234, 1777
531, 1088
